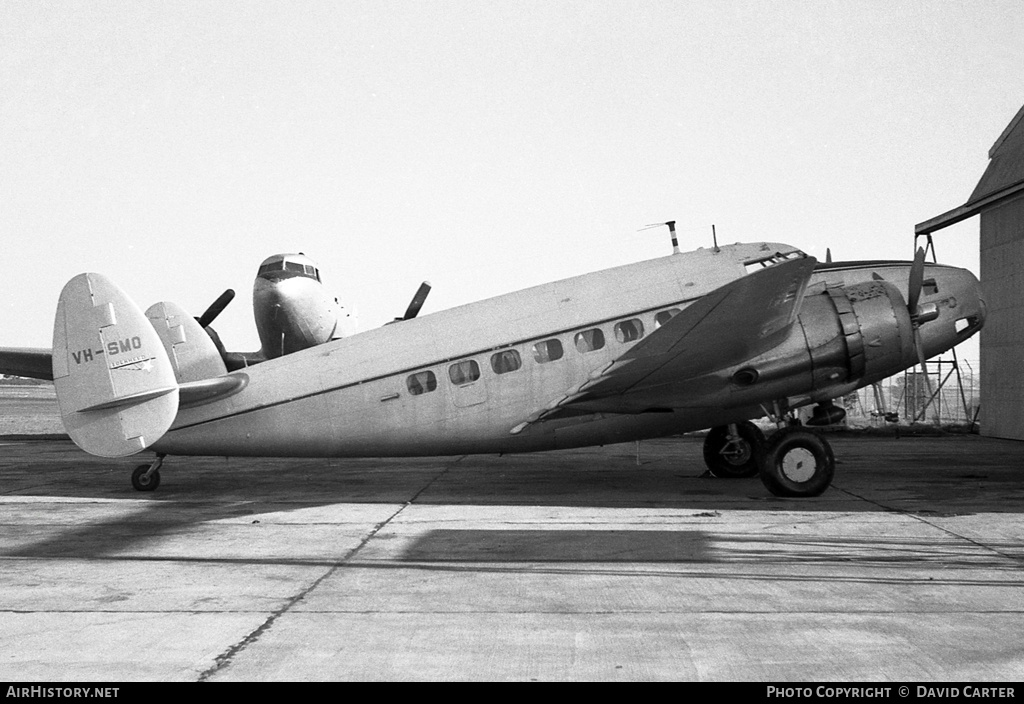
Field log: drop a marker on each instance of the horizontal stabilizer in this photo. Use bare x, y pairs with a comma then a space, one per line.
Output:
115, 384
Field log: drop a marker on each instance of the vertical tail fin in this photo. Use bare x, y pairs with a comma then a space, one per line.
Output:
115, 383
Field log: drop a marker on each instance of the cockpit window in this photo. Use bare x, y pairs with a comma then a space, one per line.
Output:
294, 268
771, 260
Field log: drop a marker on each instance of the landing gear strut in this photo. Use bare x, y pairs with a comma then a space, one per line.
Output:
146, 477
792, 462
733, 450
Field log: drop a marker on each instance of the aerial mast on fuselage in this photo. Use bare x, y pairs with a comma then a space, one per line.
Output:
671, 231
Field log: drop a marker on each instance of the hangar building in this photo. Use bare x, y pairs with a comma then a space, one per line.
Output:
999, 200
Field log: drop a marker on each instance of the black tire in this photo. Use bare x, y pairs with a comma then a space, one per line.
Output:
798, 463
143, 483
732, 459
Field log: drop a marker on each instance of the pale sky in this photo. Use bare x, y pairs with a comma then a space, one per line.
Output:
484, 146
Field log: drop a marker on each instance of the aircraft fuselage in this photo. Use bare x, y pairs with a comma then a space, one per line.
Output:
470, 379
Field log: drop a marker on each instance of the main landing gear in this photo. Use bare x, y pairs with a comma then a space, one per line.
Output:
792, 461
146, 477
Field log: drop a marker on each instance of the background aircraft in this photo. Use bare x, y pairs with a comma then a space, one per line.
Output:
703, 339
292, 309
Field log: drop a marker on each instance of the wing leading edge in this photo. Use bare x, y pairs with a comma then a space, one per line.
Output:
34, 363
732, 324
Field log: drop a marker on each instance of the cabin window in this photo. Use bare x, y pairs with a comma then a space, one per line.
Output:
547, 351
464, 372
506, 361
589, 340
421, 383
665, 316
629, 330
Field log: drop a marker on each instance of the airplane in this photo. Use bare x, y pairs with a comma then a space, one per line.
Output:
711, 338
292, 310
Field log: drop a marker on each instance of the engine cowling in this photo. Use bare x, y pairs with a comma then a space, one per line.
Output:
845, 337
877, 329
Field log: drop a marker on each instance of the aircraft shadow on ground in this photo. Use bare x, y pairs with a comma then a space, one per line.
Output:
199, 490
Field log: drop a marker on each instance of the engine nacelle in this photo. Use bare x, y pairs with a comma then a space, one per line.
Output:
845, 337
877, 329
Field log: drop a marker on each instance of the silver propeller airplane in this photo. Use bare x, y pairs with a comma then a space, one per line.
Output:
706, 339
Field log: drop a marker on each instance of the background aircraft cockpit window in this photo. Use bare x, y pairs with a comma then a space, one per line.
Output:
664, 316
629, 330
506, 361
547, 351
295, 266
421, 383
589, 340
464, 372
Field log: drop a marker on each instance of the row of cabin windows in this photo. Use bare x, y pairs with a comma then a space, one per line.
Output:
468, 371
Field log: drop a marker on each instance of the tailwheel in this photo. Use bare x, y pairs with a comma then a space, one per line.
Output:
797, 462
146, 477
732, 451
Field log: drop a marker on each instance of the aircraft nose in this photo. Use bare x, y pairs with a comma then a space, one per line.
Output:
961, 300
974, 309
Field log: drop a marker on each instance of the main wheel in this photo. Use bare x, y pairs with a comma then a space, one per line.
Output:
797, 463
143, 483
731, 456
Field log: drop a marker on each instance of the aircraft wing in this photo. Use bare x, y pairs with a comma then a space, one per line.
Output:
35, 363
736, 322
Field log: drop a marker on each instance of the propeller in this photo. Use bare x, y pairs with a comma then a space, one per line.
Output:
918, 315
216, 308
417, 302
916, 282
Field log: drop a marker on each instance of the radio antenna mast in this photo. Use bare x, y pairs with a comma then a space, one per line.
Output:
671, 231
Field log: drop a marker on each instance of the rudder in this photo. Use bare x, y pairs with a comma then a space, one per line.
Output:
115, 383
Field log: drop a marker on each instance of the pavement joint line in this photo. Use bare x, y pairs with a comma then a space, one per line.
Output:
924, 520
225, 658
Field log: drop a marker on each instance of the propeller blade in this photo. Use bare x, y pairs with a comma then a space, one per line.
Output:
216, 308
417, 301
828, 255
916, 281
921, 359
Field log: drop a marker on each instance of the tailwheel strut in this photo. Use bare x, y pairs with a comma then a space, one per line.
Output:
146, 477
